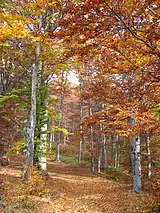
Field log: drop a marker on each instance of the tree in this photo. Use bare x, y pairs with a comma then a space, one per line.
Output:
34, 20
115, 40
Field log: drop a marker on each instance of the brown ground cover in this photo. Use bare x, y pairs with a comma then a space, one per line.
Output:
69, 189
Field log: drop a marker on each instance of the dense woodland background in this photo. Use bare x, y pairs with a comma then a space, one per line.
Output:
100, 137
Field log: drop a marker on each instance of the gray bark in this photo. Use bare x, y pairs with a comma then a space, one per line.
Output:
59, 134
4, 76
51, 135
91, 142
81, 134
81, 128
136, 164
80, 151
65, 137
104, 152
92, 150
104, 143
99, 154
136, 160
112, 148
116, 151
58, 149
119, 155
52, 140
148, 157
31, 128
84, 144
43, 158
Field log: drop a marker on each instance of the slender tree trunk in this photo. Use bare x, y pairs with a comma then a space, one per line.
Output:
43, 158
58, 144
81, 133
148, 157
91, 142
80, 151
92, 150
4, 78
59, 134
136, 164
58, 148
65, 137
112, 149
49, 127
43, 131
99, 154
51, 140
31, 128
104, 152
84, 144
116, 151
119, 155
136, 161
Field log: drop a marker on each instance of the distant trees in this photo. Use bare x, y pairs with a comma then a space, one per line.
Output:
113, 46
119, 46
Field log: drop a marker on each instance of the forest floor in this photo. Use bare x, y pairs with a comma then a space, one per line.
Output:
69, 189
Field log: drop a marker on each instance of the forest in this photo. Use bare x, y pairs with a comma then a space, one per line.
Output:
80, 106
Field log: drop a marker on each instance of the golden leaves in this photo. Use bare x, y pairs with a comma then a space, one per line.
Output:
15, 31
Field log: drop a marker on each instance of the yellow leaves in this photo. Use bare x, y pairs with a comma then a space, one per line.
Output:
38, 7
4, 44
36, 39
41, 3
35, 186
13, 26
6, 117
56, 129
129, 5
15, 31
57, 68
140, 59
54, 3
114, 71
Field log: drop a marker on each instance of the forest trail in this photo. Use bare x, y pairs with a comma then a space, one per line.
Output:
71, 189
77, 191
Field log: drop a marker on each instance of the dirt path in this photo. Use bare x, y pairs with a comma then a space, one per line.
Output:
77, 192
71, 190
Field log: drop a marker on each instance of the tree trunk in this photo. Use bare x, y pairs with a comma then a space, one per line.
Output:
31, 128
92, 151
65, 137
84, 144
148, 157
50, 135
51, 140
58, 144
59, 134
136, 164
112, 149
43, 158
58, 149
80, 151
91, 142
99, 154
119, 155
81, 132
104, 152
116, 151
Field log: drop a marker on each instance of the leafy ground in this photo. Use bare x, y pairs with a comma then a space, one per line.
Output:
69, 189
